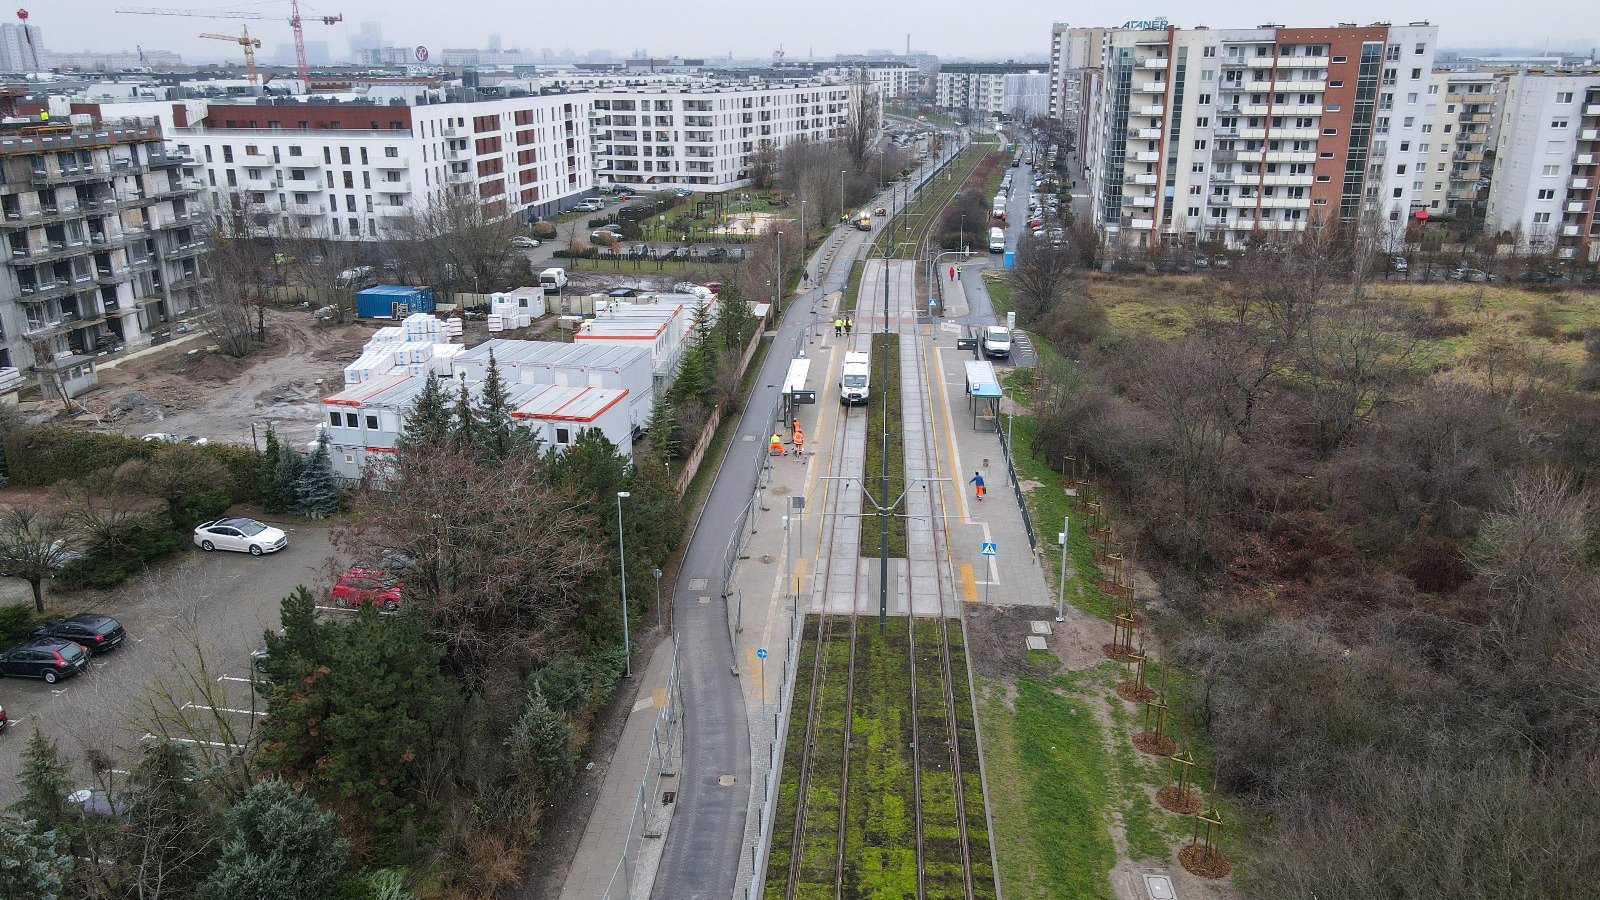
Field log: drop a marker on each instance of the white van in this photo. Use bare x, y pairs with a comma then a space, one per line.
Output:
997, 342
592, 204
997, 240
854, 378
356, 277
553, 280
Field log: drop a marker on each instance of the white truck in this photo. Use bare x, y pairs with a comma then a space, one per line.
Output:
854, 378
553, 280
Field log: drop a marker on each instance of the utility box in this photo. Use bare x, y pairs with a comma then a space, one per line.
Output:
393, 301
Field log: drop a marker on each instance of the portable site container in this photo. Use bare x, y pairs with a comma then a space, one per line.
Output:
558, 415
522, 305
367, 419
393, 301
659, 337
547, 362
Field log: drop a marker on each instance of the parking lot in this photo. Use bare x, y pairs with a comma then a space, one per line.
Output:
191, 626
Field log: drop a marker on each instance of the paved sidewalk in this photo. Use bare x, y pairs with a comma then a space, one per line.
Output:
619, 820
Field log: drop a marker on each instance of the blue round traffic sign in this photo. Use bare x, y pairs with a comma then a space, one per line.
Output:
761, 653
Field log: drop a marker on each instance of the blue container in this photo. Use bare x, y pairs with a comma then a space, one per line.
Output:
1011, 259
393, 301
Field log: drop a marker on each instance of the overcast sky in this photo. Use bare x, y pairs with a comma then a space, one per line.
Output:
821, 28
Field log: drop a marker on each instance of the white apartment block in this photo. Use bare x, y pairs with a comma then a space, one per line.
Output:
22, 49
355, 171
1223, 133
1547, 164
891, 80
977, 88
1073, 53
702, 138
1461, 107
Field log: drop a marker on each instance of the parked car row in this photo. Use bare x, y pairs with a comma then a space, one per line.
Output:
61, 648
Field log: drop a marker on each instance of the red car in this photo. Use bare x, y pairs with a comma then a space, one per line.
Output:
1035, 222
361, 584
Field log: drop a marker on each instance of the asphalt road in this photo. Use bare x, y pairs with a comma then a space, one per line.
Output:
701, 858
194, 620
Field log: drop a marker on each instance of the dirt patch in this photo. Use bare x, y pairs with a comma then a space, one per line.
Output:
190, 389
997, 640
1127, 882
1207, 862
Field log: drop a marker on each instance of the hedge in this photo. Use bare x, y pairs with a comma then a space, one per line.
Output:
129, 553
39, 456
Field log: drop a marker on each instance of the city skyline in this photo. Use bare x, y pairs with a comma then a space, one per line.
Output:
1568, 25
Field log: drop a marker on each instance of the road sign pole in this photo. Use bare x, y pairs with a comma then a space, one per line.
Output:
1061, 591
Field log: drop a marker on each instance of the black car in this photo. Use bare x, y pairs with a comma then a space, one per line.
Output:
97, 633
49, 658
717, 253
622, 293
682, 253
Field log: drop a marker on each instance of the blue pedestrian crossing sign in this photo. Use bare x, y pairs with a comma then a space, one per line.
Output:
761, 653
991, 548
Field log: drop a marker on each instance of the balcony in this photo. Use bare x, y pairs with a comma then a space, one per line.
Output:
463, 177
1584, 159
1145, 202
1154, 110
1592, 109
1298, 109
52, 251
112, 276
1581, 184
1145, 178
392, 162
1286, 180
1141, 224
41, 291
185, 250
44, 215
1302, 62
1159, 62
307, 209
1569, 231
1576, 206
305, 185
1149, 134
391, 212
1146, 156
70, 174
1589, 134
169, 158
260, 185
1152, 87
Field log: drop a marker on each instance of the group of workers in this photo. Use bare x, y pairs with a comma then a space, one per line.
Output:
842, 326
775, 447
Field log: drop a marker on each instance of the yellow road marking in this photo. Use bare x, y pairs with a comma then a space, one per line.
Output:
659, 695
969, 584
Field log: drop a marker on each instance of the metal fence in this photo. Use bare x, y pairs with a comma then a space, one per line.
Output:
1016, 487
649, 806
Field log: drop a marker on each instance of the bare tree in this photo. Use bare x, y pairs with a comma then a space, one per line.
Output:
1041, 276
861, 130
460, 242
239, 266
34, 545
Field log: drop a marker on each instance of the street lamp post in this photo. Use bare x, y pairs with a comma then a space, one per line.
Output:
657, 574
622, 552
777, 296
841, 194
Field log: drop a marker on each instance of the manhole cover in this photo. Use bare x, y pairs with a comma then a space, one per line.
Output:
1036, 642
780, 490
766, 559
702, 600
1039, 627
726, 780
749, 438
697, 584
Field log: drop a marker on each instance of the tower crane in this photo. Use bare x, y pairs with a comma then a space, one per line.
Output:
250, 45
295, 24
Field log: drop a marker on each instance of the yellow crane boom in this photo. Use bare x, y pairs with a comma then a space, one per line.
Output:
250, 45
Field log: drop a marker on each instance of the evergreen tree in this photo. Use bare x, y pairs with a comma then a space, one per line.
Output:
735, 322
34, 863
267, 473
539, 751
498, 438
317, 491
465, 432
663, 428
45, 782
284, 479
168, 821
277, 844
428, 423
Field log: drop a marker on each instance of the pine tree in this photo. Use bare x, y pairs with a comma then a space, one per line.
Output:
317, 491
284, 478
428, 423
498, 436
267, 473
278, 843
45, 783
539, 748
465, 421
663, 429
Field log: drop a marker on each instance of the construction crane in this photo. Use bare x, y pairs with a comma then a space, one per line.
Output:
250, 45
295, 24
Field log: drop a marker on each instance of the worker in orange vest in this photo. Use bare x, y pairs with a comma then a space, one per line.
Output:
799, 438
776, 446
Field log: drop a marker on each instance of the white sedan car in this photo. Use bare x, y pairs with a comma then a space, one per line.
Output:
242, 535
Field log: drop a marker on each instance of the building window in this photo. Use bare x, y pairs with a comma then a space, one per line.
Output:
1340, 59
1411, 98
1408, 122
1200, 145
372, 422
352, 420
1542, 218
335, 419
1558, 123
1400, 169
1398, 193
1547, 194
1336, 84
1551, 171
391, 152
1564, 97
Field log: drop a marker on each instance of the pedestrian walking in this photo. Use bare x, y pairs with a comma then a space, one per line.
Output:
952, 273
799, 438
977, 483
849, 326
838, 327
775, 448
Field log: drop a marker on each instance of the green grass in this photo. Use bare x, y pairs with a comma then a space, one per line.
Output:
877, 420
852, 287
708, 271
1048, 778
1043, 660
1000, 291
929, 202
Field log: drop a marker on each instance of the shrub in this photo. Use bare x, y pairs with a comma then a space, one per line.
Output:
544, 231
16, 621
244, 470
120, 553
43, 455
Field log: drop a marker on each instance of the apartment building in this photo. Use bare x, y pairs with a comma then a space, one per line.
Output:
1547, 163
1026, 95
1218, 134
703, 137
22, 48
1074, 58
351, 169
1461, 107
102, 246
978, 88
891, 80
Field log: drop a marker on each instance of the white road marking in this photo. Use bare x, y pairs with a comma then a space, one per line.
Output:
226, 709
222, 678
